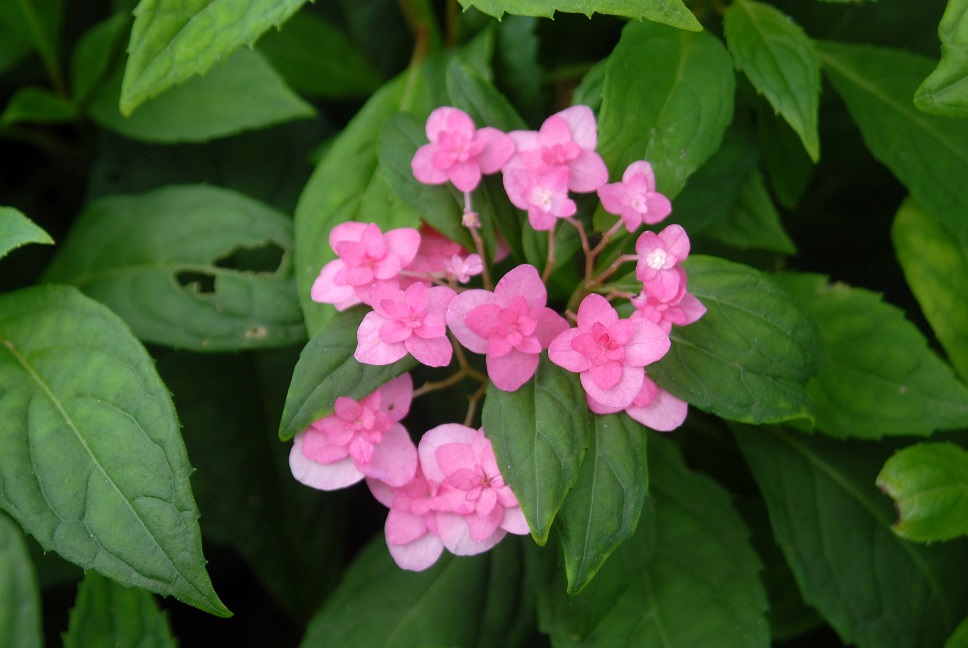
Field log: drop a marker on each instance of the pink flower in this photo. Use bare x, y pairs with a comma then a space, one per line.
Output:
635, 198
457, 152
359, 439
401, 322
367, 258
463, 268
659, 258
511, 325
566, 140
411, 526
475, 508
653, 407
681, 310
607, 352
434, 252
543, 195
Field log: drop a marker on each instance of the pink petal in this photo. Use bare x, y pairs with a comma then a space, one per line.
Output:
403, 528
676, 241
514, 521
456, 318
394, 459
419, 554
329, 476
692, 308
439, 436
510, 371
648, 343
663, 285
370, 348
482, 528
588, 172
432, 352
582, 125
396, 396
349, 231
622, 394
665, 413
611, 196
455, 534
383, 493
454, 457
522, 281
447, 118
541, 221
498, 149
606, 375
643, 169
424, 169
598, 408
658, 208
560, 352
465, 175
438, 299
403, 244
450, 499
595, 308
554, 130
549, 325
327, 291
523, 141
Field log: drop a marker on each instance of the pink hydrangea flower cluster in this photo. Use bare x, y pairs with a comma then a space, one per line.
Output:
447, 492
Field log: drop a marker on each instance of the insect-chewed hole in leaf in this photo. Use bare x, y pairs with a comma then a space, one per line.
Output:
202, 282
266, 257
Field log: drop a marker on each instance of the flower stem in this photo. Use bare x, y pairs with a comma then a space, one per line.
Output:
550, 263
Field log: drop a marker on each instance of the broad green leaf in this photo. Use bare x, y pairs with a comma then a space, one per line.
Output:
16, 230
749, 357
93, 465
675, 115
14, 45
187, 266
243, 93
958, 638
669, 12
327, 370
108, 614
316, 58
173, 40
945, 91
879, 378
876, 589
456, 602
785, 161
712, 192
540, 433
37, 106
928, 154
590, 88
929, 485
699, 587
753, 221
348, 185
516, 61
935, 265
38, 22
602, 510
96, 53
20, 625
778, 58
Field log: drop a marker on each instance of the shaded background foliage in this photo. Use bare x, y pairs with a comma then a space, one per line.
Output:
831, 230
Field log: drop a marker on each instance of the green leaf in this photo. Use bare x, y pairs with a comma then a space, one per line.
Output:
37, 105
348, 185
753, 221
449, 604
517, 65
590, 88
785, 161
929, 485
712, 192
699, 587
187, 266
945, 91
879, 378
602, 510
540, 433
108, 614
96, 53
93, 465
327, 370
876, 589
935, 265
669, 12
20, 625
16, 230
316, 58
958, 638
778, 58
38, 22
749, 357
928, 154
173, 40
675, 115
243, 93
